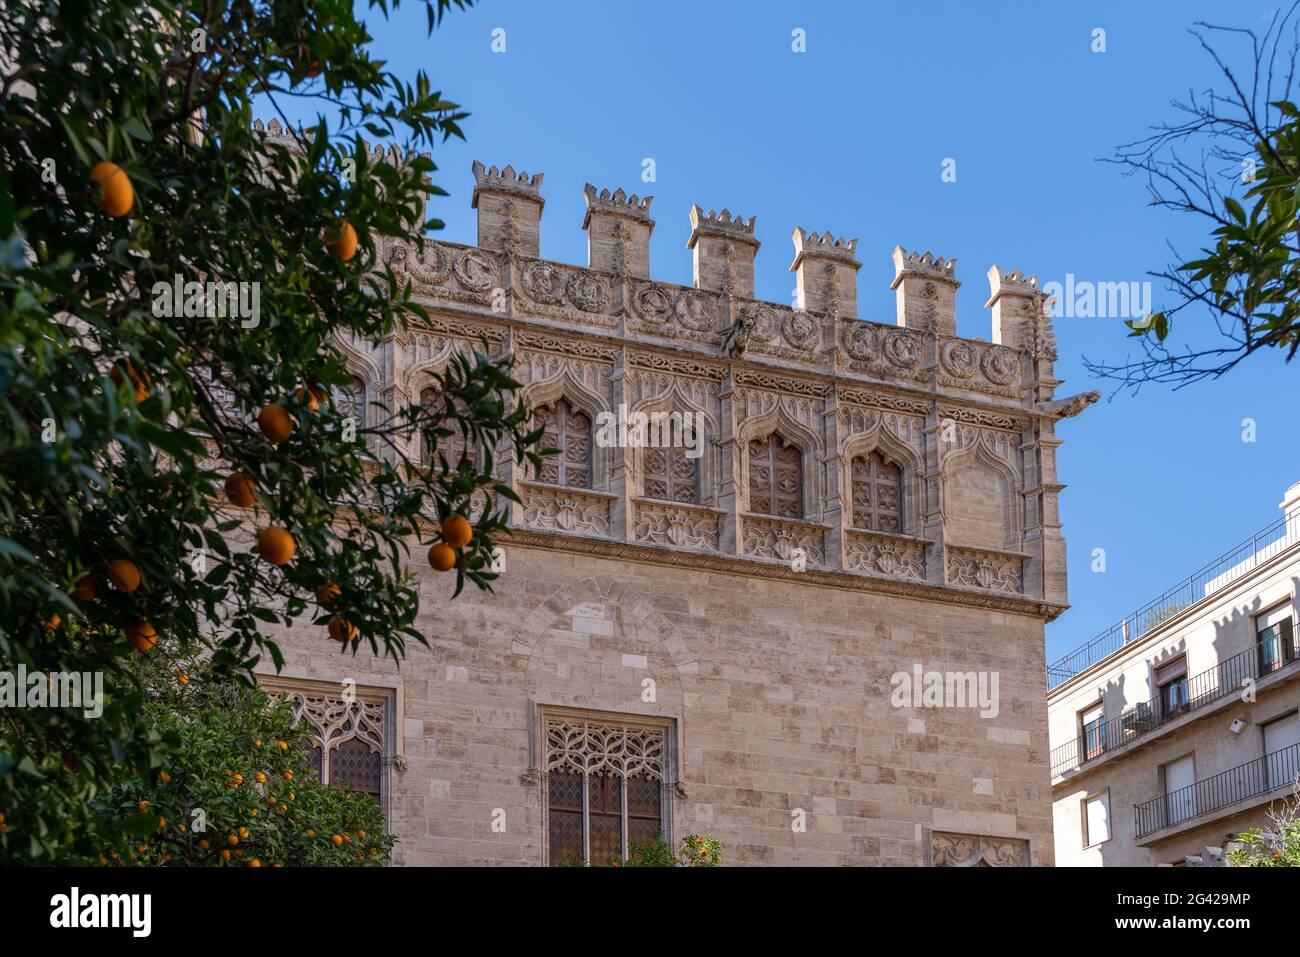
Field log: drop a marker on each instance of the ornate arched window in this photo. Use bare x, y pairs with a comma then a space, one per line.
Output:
605, 787
569, 431
775, 477
351, 400
877, 486
452, 446
671, 475
346, 738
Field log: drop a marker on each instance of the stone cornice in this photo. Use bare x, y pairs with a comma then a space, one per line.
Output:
767, 568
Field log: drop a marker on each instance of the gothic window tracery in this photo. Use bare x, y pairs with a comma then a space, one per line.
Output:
670, 474
346, 738
775, 477
877, 486
605, 789
351, 400
569, 431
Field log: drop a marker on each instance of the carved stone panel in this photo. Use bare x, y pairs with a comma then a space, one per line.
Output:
980, 568
974, 850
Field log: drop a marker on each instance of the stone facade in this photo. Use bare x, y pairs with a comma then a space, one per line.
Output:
726, 663
1199, 735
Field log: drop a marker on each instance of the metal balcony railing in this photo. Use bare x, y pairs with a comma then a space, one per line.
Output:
1269, 773
1250, 554
1225, 678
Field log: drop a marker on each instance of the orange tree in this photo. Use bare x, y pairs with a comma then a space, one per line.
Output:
180, 478
235, 790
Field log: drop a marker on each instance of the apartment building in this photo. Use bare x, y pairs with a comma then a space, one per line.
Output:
1177, 727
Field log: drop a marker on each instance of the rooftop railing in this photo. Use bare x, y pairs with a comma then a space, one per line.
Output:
1098, 738
1201, 584
1260, 776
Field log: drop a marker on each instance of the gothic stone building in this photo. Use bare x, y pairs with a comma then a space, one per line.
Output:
709, 645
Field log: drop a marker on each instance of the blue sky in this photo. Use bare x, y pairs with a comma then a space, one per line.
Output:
850, 136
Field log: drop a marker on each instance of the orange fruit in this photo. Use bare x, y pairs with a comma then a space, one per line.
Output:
276, 545
85, 589
308, 397
442, 557
282, 745
164, 777
275, 423
141, 635
116, 194
141, 382
232, 840
243, 832
341, 629
341, 241
271, 800
123, 575
204, 843
456, 531
225, 855
260, 777
49, 624
327, 593
239, 489
337, 840
361, 833
237, 780
287, 775
182, 677
257, 742
142, 806
254, 863
310, 832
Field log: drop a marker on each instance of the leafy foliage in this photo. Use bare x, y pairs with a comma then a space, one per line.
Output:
695, 850
121, 423
1276, 846
236, 790
1233, 161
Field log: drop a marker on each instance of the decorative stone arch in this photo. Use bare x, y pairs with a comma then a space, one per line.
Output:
959, 528
795, 433
592, 404
367, 369
674, 399
894, 449
420, 377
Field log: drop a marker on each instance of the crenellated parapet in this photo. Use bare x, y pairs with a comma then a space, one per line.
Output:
724, 248
509, 208
955, 436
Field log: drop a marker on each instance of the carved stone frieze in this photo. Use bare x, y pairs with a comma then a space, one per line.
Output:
872, 553
974, 850
982, 568
682, 526
766, 536
565, 509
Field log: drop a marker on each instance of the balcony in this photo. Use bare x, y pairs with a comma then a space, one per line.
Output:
1096, 740
1253, 779
1260, 548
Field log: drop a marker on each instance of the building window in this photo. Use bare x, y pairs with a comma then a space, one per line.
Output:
775, 482
451, 447
347, 738
569, 431
605, 788
1096, 819
1171, 689
671, 475
1276, 639
1092, 731
1282, 750
351, 400
1180, 789
877, 487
